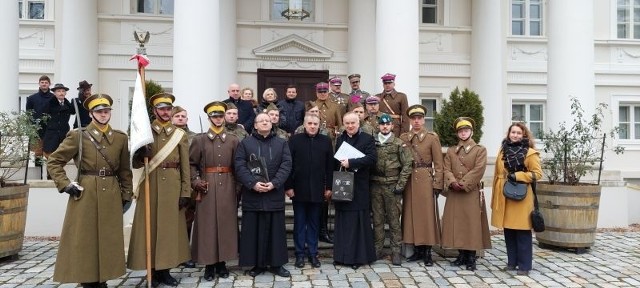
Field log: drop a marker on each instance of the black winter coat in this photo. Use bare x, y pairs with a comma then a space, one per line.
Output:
58, 124
246, 115
278, 159
85, 119
312, 171
38, 103
291, 114
361, 168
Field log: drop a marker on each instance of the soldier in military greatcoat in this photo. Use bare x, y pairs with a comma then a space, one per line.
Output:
388, 180
464, 223
357, 94
92, 243
394, 103
420, 218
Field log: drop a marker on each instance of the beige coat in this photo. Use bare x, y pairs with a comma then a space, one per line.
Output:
169, 242
91, 243
464, 223
419, 221
215, 231
512, 214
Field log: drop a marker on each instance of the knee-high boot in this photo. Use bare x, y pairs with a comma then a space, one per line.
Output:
418, 253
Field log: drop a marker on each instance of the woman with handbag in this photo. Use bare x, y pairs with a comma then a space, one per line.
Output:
517, 161
464, 223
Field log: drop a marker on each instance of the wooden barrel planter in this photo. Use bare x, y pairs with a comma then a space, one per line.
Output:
570, 215
13, 218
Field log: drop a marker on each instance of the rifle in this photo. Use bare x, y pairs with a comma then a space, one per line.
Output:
203, 174
75, 106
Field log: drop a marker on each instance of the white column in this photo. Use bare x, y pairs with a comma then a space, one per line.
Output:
362, 45
228, 59
76, 44
9, 70
397, 40
196, 60
488, 69
571, 59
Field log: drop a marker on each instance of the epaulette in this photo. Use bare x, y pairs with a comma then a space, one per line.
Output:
119, 131
432, 133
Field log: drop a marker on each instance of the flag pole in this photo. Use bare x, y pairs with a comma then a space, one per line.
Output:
147, 203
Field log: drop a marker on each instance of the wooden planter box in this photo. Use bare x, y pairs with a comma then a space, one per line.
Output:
13, 218
570, 215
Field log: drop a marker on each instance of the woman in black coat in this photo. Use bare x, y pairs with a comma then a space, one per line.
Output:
59, 110
353, 240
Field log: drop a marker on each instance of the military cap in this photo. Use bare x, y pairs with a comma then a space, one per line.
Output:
230, 106
335, 80
463, 122
215, 108
372, 100
82, 85
59, 86
322, 87
162, 100
354, 77
97, 102
385, 118
388, 78
271, 107
416, 110
177, 109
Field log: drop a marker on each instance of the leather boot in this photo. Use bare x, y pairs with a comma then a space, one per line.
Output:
418, 253
221, 269
166, 278
324, 221
461, 259
209, 272
427, 257
471, 260
396, 259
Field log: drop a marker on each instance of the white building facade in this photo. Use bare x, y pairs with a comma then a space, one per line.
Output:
525, 58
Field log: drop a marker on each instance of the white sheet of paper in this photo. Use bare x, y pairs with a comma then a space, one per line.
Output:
346, 151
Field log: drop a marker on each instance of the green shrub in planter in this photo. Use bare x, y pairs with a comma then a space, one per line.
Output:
461, 103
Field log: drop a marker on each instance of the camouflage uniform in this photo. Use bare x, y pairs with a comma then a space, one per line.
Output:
236, 129
322, 131
372, 120
281, 133
392, 171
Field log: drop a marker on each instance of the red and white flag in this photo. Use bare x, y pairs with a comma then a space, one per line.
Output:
140, 130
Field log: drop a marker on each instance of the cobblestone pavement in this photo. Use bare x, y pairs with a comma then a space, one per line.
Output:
614, 261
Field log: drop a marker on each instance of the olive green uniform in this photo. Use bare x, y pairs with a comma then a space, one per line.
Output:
236, 129
392, 171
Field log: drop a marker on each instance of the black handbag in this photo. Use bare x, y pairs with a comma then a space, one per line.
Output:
258, 168
342, 186
515, 190
537, 221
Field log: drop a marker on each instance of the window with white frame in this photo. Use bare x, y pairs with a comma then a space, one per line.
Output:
429, 12
628, 19
526, 17
429, 118
530, 113
31, 9
629, 121
298, 10
160, 7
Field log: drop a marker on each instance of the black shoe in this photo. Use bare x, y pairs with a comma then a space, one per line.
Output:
299, 261
355, 266
90, 285
396, 259
255, 271
461, 259
189, 264
280, 271
221, 269
209, 272
314, 261
324, 237
523, 272
102, 285
167, 279
471, 260
155, 278
418, 253
427, 257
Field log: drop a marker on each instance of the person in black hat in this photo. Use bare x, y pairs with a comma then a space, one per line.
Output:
59, 111
84, 91
92, 240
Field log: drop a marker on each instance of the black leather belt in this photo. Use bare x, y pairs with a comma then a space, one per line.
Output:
100, 173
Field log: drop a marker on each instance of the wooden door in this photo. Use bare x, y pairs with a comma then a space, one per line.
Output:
304, 80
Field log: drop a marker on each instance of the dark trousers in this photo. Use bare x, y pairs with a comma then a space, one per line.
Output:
306, 219
519, 248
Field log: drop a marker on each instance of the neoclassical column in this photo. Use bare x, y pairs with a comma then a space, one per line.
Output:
228, 58
488, 71
397, 42
9, 71
196, 56
570, 66
76, 44
361, 53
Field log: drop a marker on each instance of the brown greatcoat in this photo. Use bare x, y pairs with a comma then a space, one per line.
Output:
342, 100
397, 101
419, 226
330, 117
91, 243
506, 213
169, 242
464, 223
215, 233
